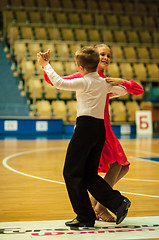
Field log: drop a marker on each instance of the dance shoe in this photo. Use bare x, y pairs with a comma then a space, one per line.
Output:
122, 210
75, 224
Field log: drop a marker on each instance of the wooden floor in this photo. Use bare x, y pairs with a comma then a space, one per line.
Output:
27, 198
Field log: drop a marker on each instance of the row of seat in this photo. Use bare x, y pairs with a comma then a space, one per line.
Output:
23, 49
81, 34
100, 5
102, 19
139, 71
119, 112
38, 89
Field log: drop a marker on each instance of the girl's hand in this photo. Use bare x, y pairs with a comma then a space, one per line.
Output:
46, 55
115, 81
41, 60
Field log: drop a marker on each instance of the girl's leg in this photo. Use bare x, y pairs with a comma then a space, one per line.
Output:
114, 174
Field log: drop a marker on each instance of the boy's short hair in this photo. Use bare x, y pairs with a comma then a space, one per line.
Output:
87, 57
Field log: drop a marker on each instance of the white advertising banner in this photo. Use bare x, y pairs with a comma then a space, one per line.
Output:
144, 122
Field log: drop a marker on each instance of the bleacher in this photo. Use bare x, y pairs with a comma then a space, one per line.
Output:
129, 27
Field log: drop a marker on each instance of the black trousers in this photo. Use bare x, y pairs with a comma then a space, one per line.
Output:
81, 170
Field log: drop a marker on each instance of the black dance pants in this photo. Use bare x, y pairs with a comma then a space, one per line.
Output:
81, 170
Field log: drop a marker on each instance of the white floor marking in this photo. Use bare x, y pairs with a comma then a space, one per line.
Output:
4, 162
130, 228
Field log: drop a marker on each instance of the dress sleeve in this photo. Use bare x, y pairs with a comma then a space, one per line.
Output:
60, 83
133, 87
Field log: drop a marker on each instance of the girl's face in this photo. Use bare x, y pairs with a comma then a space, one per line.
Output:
104, 54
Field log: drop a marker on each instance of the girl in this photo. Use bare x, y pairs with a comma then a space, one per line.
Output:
113, 161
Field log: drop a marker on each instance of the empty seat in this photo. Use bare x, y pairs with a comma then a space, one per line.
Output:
34, 16
48, 17
143, 53
92, 5
116, 6
43, 108
124, 21
58, 67
87, 19
55, 4
34, 48
59, 110
13, 34
132, 37
27, 33
120, 36
40, 33
128, 6
54, 34
74, 18
20, 50
146, 105
153, 71
74, 48
130, 53
65, 95
154, 53
62, 50
132, 107
113, 70
39, 69
72, 110
28, 68
112, 20
117, 52
93, 35
34, 88
140, 71
126, 70
67, 34
118, 111
80, 35
104, 4
137, 22
107, 36
100, 19
8, 17
149, 23
145, 37
67, 4
80, 4
50, 46
29, 3
61, 18
50, 91
70, 68
21, 16
16, 3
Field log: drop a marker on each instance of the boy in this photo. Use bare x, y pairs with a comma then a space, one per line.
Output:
84, 150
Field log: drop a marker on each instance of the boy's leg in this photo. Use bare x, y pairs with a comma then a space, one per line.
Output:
74, 170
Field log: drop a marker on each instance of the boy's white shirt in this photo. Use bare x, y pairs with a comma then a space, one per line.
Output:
91, 91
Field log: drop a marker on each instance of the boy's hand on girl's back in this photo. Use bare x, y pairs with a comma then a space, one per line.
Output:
114, 81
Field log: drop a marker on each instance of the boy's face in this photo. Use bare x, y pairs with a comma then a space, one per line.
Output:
104, 54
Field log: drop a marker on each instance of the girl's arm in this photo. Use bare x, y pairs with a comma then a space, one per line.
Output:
133, 87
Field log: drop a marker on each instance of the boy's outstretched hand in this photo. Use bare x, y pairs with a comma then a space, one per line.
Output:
41, 59
114, 81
